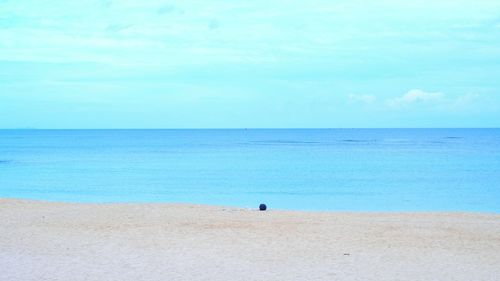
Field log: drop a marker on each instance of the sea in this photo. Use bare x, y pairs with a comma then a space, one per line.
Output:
291, 169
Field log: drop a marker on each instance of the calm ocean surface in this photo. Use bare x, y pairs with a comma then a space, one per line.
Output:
337, 169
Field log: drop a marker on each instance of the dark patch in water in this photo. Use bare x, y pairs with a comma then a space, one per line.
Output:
350, 140
453, 137
5, 161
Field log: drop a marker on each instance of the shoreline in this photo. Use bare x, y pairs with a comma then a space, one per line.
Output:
245, 208
43, 240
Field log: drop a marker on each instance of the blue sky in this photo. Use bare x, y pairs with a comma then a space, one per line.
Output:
230, 64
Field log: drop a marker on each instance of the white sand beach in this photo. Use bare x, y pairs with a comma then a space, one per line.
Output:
63, 241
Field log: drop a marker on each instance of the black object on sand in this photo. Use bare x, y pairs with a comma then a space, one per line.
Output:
262, 207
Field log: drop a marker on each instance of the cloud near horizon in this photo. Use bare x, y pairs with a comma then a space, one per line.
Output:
417, 98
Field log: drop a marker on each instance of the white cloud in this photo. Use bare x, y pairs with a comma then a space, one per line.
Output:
415, 96
420, 99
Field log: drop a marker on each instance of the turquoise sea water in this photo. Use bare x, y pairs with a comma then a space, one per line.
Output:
330, 169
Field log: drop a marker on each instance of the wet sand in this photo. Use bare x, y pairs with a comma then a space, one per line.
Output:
68, 241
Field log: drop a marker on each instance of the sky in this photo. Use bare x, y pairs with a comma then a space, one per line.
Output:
249, 64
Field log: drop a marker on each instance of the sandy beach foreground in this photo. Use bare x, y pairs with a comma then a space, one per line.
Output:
62, 241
